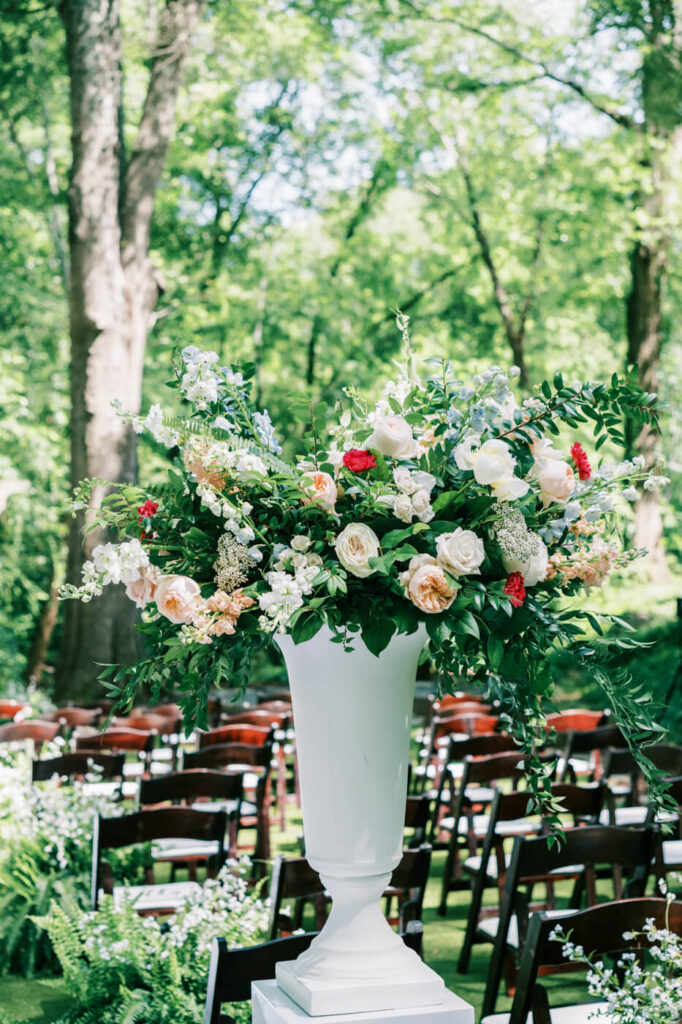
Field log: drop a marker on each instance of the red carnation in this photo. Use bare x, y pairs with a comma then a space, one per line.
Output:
144, 513
357, 460
582, 463
147, 510
514, 589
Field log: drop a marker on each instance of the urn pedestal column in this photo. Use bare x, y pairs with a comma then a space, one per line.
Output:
352, 713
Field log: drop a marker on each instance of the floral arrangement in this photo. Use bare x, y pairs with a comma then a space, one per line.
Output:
635, 994
121, 967
447, 503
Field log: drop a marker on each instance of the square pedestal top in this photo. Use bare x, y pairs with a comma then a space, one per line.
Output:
272, 1006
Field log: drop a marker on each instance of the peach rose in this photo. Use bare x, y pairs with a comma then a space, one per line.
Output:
210, 475
430, 591
320, 487
143, 589
557, 481
178, 598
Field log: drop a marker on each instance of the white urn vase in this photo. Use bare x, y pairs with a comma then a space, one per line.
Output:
352, 713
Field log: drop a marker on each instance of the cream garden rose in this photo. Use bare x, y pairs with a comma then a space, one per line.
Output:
320, 488
430, 590
354, 546
415, 563
557, 481
461, 552
392, 436
178, 598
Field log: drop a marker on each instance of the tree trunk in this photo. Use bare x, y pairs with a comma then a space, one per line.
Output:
113, 292
40, 643
660, 78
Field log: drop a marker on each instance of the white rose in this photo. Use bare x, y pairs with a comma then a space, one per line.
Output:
300, 542
354, 546
508, 488
392, 435
493, 462
460, 552
465, 455
403, 480
424, 481
533, 568
415, 563
402, 508
421, 502
557, 482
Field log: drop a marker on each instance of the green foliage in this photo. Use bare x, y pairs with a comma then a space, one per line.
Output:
120, 968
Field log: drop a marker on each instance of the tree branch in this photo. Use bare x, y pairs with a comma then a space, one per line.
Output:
153, 136
615, 115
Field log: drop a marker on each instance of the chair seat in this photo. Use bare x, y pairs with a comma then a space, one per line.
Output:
517, 827
635, 816
184, 849
225, 805
488, 926
110, 790
473, 865
159, 898
580, 1013
672, 853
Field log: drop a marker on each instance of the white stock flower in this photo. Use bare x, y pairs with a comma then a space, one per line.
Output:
392, 436
461, 552
424, 481
249, 467
354, 546
421, 503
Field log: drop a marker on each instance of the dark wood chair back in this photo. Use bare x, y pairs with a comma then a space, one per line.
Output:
600, 930
79, 764
148, 825
258, 716
9, 709
589, 743
148, 722
417, 814
191, 785
117, 738
75, 717
32, 729
229, 755
533, 860
249, 735
576, 720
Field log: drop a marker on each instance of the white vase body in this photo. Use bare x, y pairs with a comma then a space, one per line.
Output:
352, 713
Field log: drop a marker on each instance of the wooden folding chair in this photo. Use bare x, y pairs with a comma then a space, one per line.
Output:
147, 826
607, 930
195, 788
533, 861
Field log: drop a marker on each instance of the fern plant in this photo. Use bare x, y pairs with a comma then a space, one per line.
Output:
120, 968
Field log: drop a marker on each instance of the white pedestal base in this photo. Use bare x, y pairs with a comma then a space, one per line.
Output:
272, 1006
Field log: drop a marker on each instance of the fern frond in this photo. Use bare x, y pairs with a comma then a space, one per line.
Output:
234, 441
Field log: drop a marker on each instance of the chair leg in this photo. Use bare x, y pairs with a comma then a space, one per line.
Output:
448, 875
470, 933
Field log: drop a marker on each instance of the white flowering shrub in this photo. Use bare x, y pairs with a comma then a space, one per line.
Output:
45, 854
120, 967
636, 993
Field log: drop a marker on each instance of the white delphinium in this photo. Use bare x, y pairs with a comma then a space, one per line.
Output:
199, 384
153, 422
